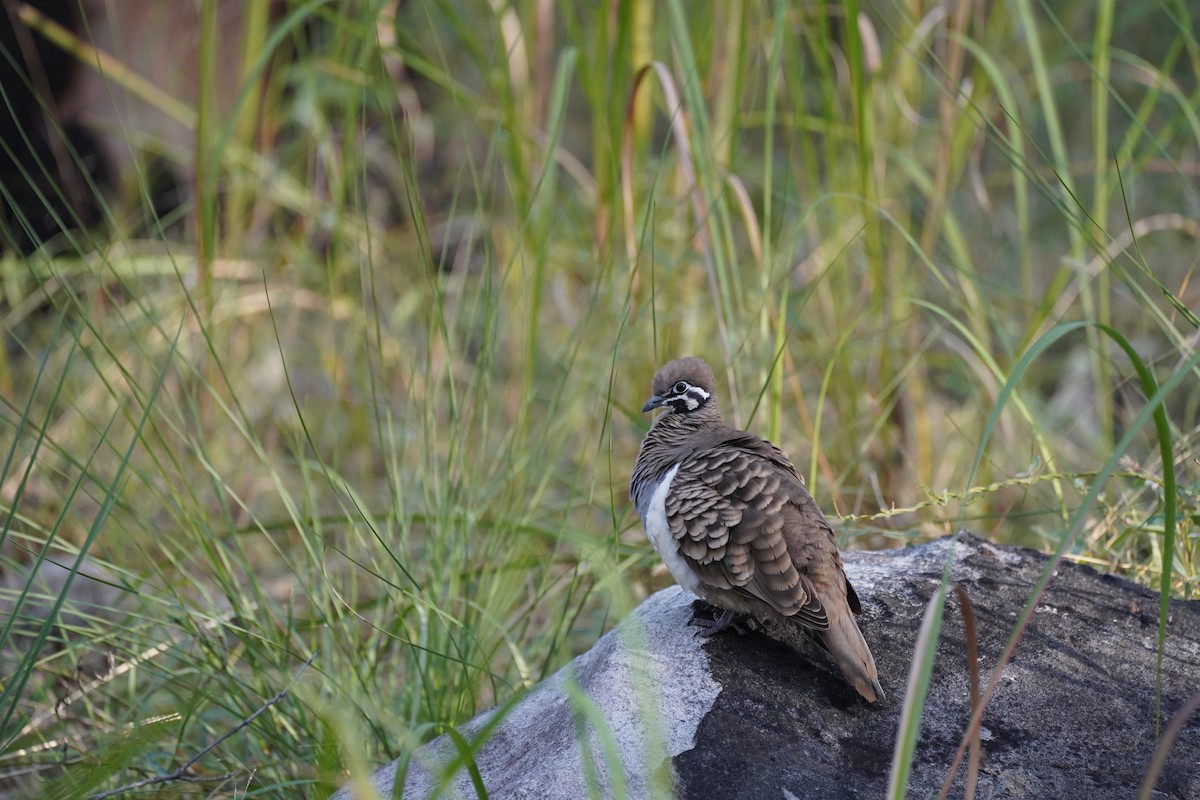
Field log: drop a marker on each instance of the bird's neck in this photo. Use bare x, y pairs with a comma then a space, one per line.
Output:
670, 431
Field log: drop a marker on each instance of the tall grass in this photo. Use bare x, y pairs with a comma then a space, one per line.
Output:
373, 404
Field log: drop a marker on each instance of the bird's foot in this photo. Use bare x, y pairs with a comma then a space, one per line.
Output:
710, 625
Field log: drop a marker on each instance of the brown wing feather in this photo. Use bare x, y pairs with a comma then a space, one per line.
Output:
744, 521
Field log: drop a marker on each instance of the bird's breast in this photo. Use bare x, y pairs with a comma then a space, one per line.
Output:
658, 531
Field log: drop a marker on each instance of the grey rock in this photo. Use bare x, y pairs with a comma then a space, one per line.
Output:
750, 717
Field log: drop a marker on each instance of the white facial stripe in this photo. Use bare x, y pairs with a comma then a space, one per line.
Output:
695, 397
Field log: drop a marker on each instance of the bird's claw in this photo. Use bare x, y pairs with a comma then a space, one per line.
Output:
725, 619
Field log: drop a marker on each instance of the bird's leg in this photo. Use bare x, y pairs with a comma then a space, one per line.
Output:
725, 619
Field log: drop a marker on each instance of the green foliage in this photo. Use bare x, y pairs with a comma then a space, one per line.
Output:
370, 395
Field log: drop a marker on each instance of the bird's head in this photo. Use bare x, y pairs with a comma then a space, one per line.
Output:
683, 386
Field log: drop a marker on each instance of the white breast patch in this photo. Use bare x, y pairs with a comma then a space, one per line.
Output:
659, 534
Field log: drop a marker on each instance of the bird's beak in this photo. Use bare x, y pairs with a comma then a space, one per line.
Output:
654, 402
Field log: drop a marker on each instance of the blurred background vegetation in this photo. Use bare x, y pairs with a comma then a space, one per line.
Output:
326, 327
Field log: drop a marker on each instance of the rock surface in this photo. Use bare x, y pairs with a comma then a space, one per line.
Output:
749, 717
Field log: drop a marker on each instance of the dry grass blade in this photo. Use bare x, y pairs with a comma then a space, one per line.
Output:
679, 130
968, 613
112, 68
746, 206
1164, 745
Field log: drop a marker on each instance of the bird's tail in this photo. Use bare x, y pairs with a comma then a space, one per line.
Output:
849, 649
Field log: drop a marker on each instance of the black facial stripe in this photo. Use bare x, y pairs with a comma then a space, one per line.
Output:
692, 399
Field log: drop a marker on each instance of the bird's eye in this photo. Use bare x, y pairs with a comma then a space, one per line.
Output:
679, 388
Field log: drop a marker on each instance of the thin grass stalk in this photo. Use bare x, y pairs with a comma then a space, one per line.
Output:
541, 73
1101, 182
511, 72
729, 65
825, 154
861, 119
1072, 209
1178, 722
956, 133
1012, 146
240, 197
885, 284
682, 140
775, 375
706, 198
1050, 116
106, 64
948, 103
596, 76
234, 143
972, 640
638, 18
848, 330
811, 147
542, 212
205, 174
976, 756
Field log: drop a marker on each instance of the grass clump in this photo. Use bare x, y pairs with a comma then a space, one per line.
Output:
360, 391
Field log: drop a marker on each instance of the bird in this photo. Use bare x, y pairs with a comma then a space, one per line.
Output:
732, 520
